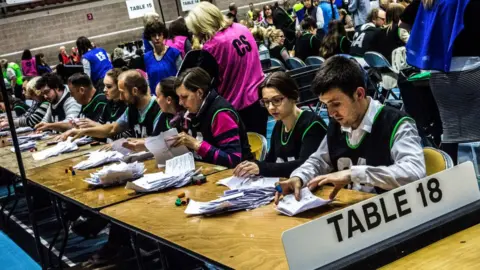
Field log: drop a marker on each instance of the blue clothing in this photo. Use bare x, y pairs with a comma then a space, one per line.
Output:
327, 14
99, 63
430, 45
359, 10
146, 44
159, 70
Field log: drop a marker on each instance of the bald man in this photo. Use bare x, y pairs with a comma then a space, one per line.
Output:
139, 116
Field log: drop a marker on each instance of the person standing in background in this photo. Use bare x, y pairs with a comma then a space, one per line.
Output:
13, 74
250, 11
232, 14
178, 36
359, 10
29, 65
147, 18
326, 12
283, 21
94, 60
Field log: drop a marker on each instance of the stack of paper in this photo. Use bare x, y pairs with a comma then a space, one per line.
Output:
83, 141
25, 146
24, 129
290, 206
160, 146
98, 158
31, 137
116, 174
233, 200
118, 146
61, 147
251, 182
140, 156
178, 173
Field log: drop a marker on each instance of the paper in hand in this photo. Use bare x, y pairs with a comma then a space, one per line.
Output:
290, 206
118, 146
161, 148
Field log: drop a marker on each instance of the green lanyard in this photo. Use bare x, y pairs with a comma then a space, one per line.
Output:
291, 131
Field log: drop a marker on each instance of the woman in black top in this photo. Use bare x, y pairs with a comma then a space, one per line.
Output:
307, 44
277, 49
296, 135
336, 41
268, 17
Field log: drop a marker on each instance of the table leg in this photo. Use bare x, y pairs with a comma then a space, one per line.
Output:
138, 255
163, 259
57, 233
65, 225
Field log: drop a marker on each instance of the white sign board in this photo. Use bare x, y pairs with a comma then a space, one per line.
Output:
341, 233
188, 5
12, 2
138, 8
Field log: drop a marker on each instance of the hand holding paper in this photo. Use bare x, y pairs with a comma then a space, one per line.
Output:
159, 146
290, 206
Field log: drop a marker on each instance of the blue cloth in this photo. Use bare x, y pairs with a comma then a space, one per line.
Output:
13, 257
159, 70
430, 45
99, 63
327, 14
359, 10
147, 45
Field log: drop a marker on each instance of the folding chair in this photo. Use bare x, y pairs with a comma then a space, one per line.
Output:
436, 160
294, 62
378, 63
276, 63
314, 61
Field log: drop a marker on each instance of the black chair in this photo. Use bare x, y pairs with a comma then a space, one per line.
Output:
303, 77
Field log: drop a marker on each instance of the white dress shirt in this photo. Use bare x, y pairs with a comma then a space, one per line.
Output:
406, 153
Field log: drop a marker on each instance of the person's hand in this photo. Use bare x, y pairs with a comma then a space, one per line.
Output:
4, 124
338, 179
85, 123
292, 185
135, 145
42, 126
74, 133
246, 168
186, 140
2, 106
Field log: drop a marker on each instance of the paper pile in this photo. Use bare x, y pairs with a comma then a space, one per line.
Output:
290, 206
18, 130
60, 148
31, 137
83, 141
25, 146
98, 158
178, 173
118, 146
160, 146
233, 200
116, 174
251, 182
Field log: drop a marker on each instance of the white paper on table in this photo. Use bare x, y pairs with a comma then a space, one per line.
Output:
290, 206
118, 146
98, 158
116, 173
24, 129
25, 146
161, 148
180, 164
234, 182
60, 148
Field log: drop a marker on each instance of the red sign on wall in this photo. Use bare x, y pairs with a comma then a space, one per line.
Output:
90, 16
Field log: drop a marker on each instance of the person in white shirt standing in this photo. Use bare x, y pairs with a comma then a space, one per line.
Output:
368, 147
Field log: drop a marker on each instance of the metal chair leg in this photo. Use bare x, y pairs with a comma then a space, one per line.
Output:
65, 225
163, 259
57, 233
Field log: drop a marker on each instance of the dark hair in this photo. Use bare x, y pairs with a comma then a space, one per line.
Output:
194, 79
282, 82
232, 7
38, 58
265, 8
83, 45
178, 28
27, 78
167, 87
338, 72
80, 80
307, 23
114, 74
132, 78
155, 27
27, 55
51, 80
373, 15
331, 41
139, 52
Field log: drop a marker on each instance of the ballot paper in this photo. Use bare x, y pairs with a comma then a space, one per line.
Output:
118, 146
83, 141
250, 182
25, 146
116, 174
98, 158
290, 206
178, 173
24, 129
30, 137
160, 146
60, 148
140, 156
233, 200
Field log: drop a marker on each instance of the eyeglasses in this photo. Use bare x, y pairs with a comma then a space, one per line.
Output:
275, 101
383, 19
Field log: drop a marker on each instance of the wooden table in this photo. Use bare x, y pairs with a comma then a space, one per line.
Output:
72, 188
240, 240
458, 251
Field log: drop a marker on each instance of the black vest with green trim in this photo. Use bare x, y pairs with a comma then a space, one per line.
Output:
162, 124
204, 120
94, 109
307, 45
143, 126
373, 149
58, 113
20, 108
113, 111
287, 146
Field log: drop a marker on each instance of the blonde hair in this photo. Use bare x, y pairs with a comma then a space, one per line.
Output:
273, 34
205, 20
258, 33
149, 17
118, 53
31, 90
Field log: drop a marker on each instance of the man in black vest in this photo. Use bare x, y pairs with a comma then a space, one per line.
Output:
140, 115
363, 38
63, 108
369, 147
93, 101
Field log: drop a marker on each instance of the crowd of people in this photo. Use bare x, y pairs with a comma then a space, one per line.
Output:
203, 76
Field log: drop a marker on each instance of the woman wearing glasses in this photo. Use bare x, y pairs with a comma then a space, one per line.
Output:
277, 49
296, 135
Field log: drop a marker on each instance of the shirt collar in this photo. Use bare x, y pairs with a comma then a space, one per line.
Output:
367, 122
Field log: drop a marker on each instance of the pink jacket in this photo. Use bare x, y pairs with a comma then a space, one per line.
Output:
29, 67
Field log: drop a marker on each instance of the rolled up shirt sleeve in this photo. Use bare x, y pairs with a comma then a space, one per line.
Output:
408, 166
317, 164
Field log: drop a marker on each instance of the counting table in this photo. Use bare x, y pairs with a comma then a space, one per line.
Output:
239, 240
458, 251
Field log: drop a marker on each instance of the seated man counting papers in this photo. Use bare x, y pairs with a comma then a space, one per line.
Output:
368, 146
